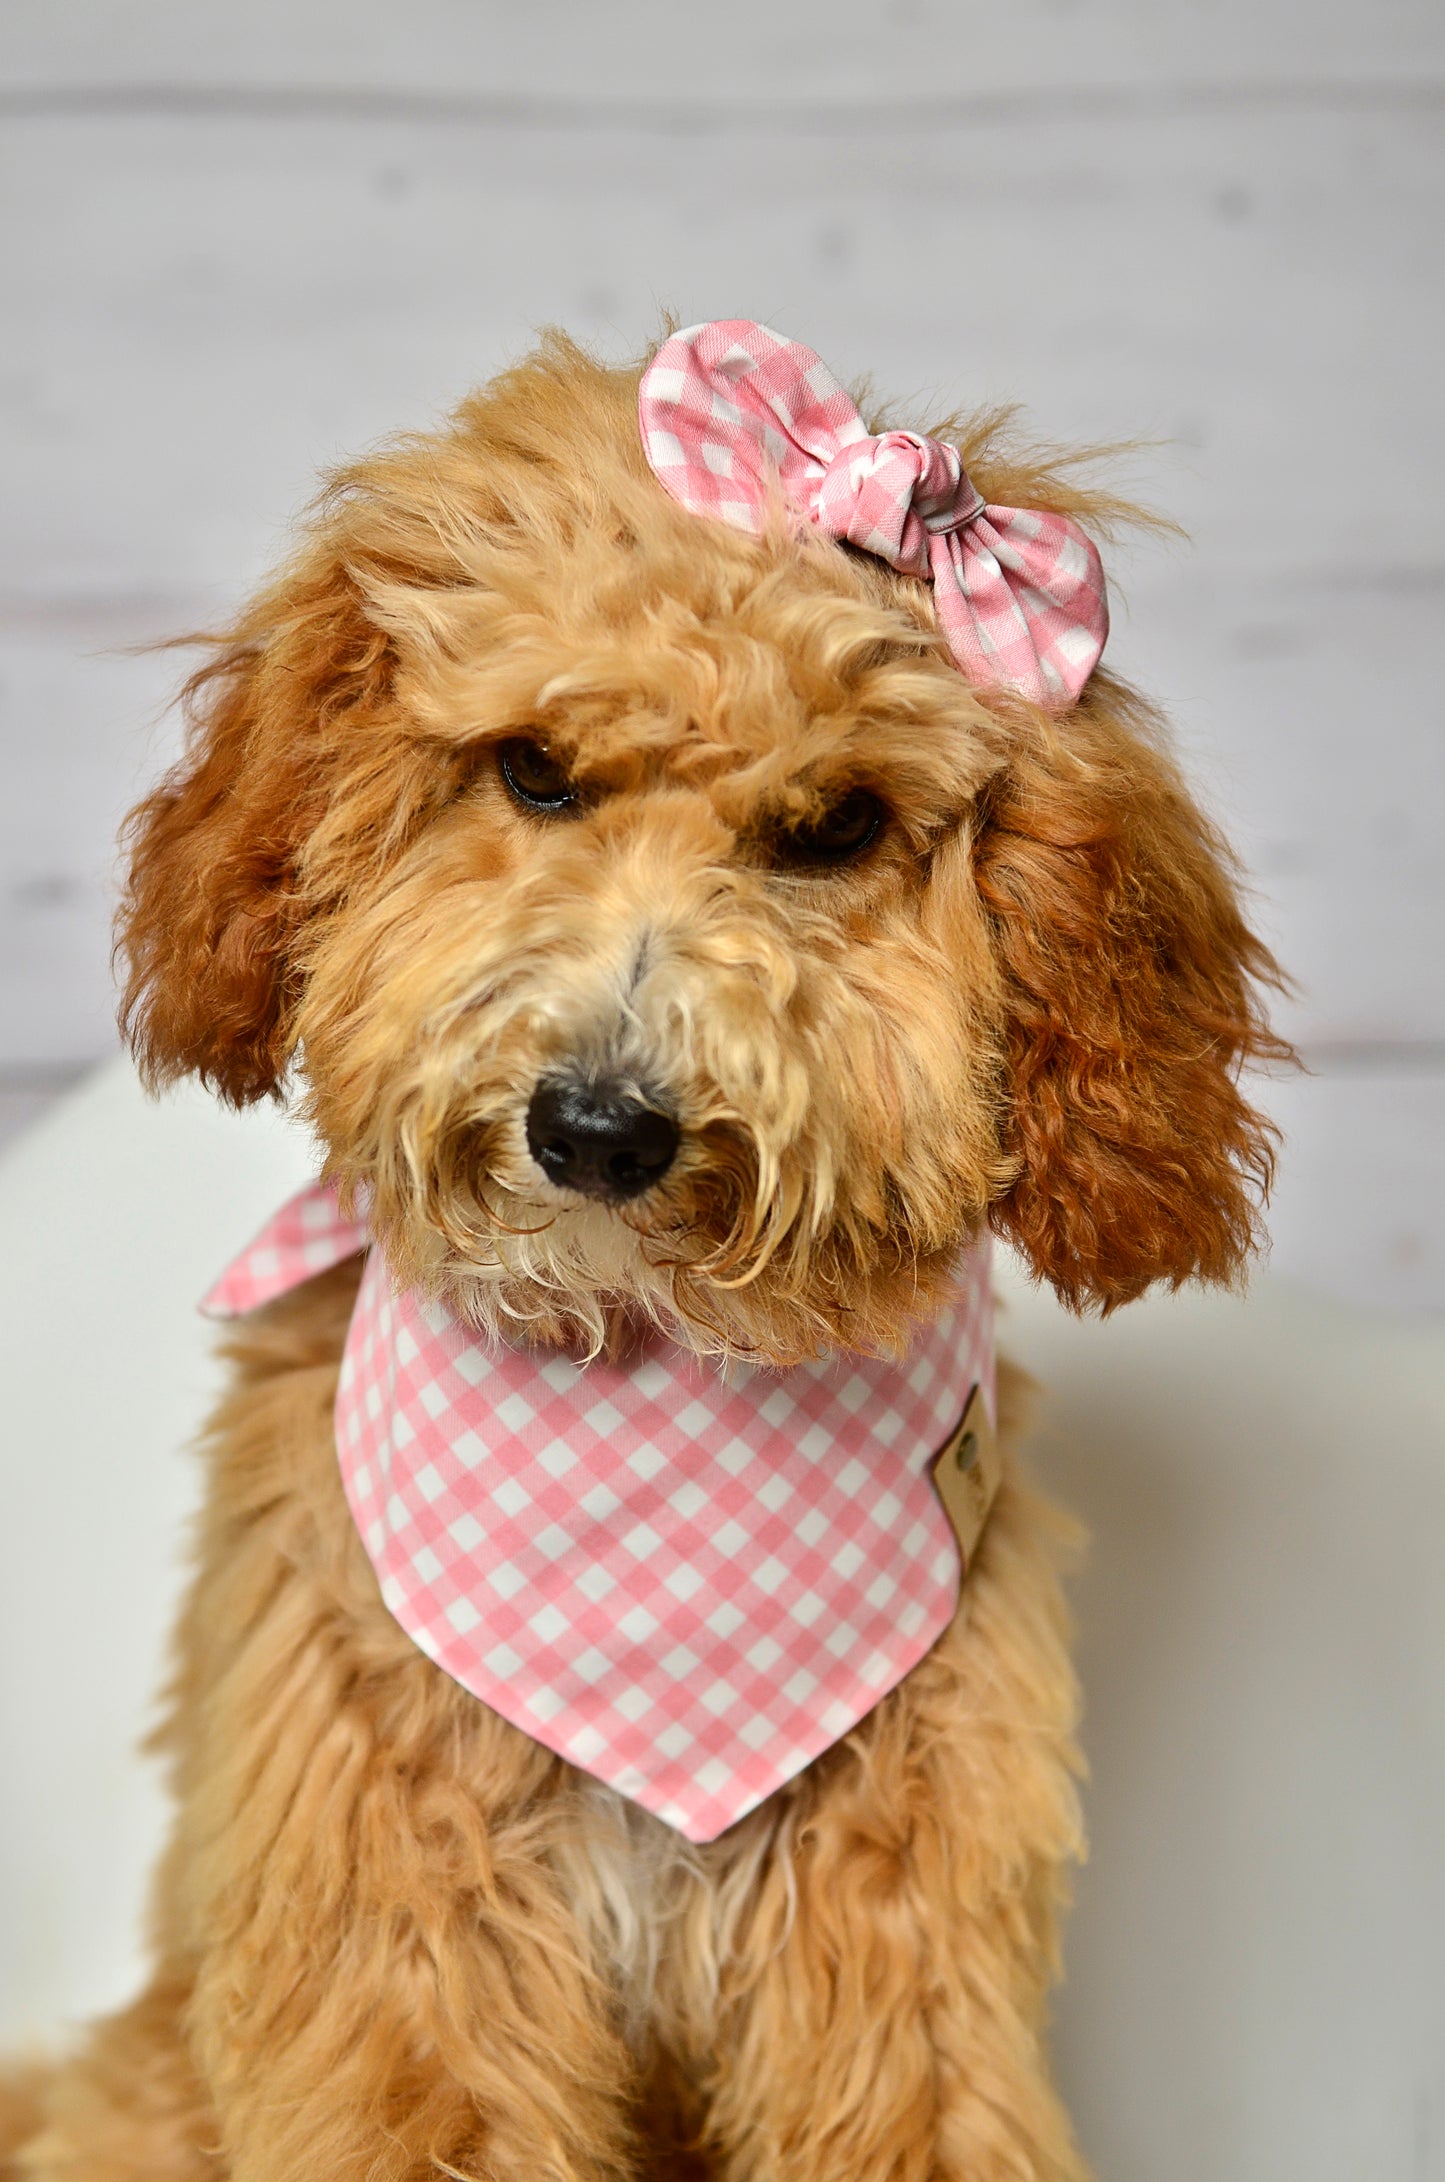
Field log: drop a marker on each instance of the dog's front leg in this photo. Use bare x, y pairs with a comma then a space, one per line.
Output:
387, 1980
882, 2020
390, 1980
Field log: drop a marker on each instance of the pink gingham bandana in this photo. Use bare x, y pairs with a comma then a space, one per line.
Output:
732, 412
687, 1580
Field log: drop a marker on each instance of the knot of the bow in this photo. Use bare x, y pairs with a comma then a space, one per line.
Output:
889, 495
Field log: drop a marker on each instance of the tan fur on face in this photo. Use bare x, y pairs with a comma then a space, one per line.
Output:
650, 938
394, 1937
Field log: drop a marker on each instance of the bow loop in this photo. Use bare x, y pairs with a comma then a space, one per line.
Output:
730, 409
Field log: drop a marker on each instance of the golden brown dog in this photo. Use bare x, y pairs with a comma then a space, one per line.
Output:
519, 767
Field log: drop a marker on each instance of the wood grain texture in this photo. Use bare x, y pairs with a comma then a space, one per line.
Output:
864, 50
241, 244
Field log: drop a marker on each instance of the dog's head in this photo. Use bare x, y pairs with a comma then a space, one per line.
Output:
657, 918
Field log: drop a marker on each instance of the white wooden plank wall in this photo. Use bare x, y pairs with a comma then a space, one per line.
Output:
239, 242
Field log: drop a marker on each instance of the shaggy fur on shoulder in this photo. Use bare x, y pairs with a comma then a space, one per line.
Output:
900, 958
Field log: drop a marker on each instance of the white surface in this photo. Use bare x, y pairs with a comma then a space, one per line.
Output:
115, 1215
244, 240
1254, 1990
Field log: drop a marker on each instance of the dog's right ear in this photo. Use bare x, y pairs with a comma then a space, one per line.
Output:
215, 895
1134, 995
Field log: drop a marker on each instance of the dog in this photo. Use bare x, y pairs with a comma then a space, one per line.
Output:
670, 937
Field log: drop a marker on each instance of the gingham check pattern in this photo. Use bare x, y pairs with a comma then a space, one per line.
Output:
687, 1581
308, 1236
732, 414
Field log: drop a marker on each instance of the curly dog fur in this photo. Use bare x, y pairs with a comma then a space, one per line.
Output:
393, 1937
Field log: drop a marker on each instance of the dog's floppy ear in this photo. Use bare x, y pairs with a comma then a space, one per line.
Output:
1132, 990
214, 897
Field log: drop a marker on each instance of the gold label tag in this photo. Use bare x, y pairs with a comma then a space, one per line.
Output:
966, 1471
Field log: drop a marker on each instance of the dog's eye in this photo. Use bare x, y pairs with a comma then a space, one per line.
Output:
844, 831
535, 777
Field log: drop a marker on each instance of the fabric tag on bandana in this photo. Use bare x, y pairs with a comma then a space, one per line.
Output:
968, 1473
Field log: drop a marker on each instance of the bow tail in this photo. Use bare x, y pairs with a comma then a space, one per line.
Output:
1020, 596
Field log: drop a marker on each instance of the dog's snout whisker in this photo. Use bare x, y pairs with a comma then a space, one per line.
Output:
598, 1139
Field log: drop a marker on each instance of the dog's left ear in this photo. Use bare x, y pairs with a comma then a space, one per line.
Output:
216, 896
1132, 989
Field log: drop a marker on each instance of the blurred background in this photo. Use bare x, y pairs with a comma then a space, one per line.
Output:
243, 241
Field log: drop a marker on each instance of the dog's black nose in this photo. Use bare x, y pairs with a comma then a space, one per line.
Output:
598, 1139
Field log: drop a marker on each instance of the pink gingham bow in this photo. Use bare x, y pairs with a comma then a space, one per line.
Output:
731, 411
